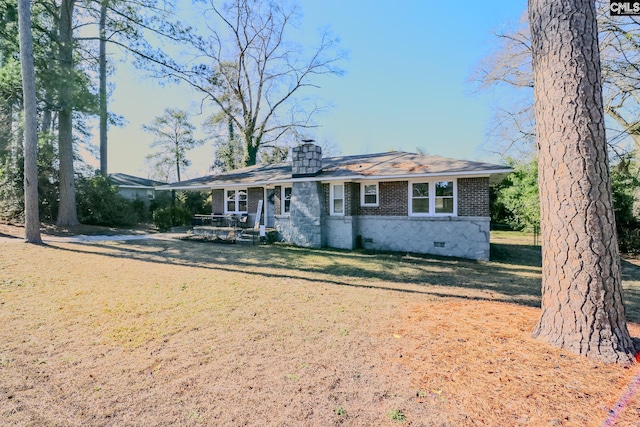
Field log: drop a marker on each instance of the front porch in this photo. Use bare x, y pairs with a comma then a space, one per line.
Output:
233, 234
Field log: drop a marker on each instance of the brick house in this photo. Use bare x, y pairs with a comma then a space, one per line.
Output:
394, 201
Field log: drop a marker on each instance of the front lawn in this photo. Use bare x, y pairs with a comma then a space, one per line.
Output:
155, 332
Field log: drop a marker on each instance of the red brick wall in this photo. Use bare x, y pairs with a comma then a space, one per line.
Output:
217, 201
277, 191
254, 194
393, 200
473, 197
350, 195
353, 203
325, 198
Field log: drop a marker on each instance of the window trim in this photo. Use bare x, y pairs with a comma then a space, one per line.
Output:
432, 197
283, 199
236, 200
362, 194
331, 199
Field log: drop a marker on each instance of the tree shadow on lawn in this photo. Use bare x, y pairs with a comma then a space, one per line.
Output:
437, 276
530, 255
513, 275
631, 290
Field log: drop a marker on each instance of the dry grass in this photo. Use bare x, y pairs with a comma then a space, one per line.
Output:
185, 333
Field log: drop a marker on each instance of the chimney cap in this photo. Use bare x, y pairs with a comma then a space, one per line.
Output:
308, 141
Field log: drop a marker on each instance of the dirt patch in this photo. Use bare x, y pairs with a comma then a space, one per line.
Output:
183, 333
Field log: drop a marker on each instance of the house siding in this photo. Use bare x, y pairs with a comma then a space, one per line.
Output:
136, 194
339, 232
466, 237
388, 226
473, 197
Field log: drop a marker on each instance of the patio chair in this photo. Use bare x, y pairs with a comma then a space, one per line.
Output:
243, 221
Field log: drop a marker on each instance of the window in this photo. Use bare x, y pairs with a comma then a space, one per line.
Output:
444, 197
420, 198
432, 198
242, 201
236, 200
369, 194
337, 199
231, 201
286, 200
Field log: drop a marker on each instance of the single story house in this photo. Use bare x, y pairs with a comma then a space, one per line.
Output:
133, 187
394, 201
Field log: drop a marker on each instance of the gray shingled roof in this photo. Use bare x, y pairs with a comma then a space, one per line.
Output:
130, 181
390, 165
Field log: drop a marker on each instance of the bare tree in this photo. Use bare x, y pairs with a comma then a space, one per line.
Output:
509, 67
582, 308
620, 52
31, 215
253, 72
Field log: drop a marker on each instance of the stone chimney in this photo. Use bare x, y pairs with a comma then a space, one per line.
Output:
307, 160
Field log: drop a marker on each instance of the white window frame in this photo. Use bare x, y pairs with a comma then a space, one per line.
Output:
332, 198
362, 194
236, 199
283, 199
432, 197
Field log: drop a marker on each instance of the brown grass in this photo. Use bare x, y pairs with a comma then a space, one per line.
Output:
143, 333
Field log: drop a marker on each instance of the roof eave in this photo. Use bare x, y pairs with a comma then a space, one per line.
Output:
221, 185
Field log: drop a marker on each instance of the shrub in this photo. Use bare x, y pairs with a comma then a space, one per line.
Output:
625, 186
515, 201
99, 203
11, 193
141, 208
165, 218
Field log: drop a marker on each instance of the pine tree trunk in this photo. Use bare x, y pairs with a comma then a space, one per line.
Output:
49, 98
31, 213
67, 213
103, 89
582, 308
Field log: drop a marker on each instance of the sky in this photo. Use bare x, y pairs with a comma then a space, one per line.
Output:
406, 84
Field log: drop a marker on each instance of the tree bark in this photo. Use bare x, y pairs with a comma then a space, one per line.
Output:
103, 89
582, 308
67, 213
31, 213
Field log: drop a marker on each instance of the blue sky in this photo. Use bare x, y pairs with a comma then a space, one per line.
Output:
406, 84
